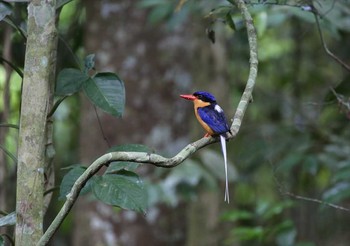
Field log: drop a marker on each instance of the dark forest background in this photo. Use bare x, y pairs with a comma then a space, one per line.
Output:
290, 163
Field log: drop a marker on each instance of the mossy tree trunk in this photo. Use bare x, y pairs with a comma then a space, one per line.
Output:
37, 87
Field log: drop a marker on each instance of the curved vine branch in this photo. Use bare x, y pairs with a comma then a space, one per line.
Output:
158, 160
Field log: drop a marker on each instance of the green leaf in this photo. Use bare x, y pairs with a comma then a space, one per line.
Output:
276, 209
89, 63
1, 241
8, 220
70, 81
130, 166
160, 13
69, 180
229, 21
106, 90
124, 190
5, 10
236, 215
244, 233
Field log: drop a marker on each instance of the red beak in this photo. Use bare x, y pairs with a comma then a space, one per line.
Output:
188, 97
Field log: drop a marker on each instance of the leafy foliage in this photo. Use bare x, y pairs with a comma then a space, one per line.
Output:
70, 81
118, 186
105, 90
69, 180
124, 189
269, 226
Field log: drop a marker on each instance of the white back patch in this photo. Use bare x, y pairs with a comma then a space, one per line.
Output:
218, 108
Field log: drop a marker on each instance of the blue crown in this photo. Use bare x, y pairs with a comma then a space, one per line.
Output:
205, 96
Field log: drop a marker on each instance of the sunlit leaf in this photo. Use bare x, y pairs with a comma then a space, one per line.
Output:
106, 90
69, 180
70, 81
124, 190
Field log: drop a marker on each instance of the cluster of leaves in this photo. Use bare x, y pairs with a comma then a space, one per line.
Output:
105, 90
118, 186
264, 225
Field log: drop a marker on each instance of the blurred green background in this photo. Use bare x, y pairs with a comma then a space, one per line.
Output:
290, 160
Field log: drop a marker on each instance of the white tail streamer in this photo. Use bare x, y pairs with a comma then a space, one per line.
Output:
223, 148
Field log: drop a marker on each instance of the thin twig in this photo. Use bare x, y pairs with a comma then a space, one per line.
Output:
9, 154
19, 72
9, 125
330, 53
283, 191
308, 199
55, 106
101, 128
12, 23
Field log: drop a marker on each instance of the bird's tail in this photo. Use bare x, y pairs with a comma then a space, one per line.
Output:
223, 148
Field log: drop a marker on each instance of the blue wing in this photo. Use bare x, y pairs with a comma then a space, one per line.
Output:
214, 116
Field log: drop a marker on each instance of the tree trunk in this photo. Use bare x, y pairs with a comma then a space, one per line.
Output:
37, 87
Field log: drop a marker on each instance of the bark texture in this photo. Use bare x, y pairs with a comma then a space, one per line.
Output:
36, 102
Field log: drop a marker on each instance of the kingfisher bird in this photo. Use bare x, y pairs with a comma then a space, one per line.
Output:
212, 118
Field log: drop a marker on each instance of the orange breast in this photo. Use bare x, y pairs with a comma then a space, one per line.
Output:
198, 104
